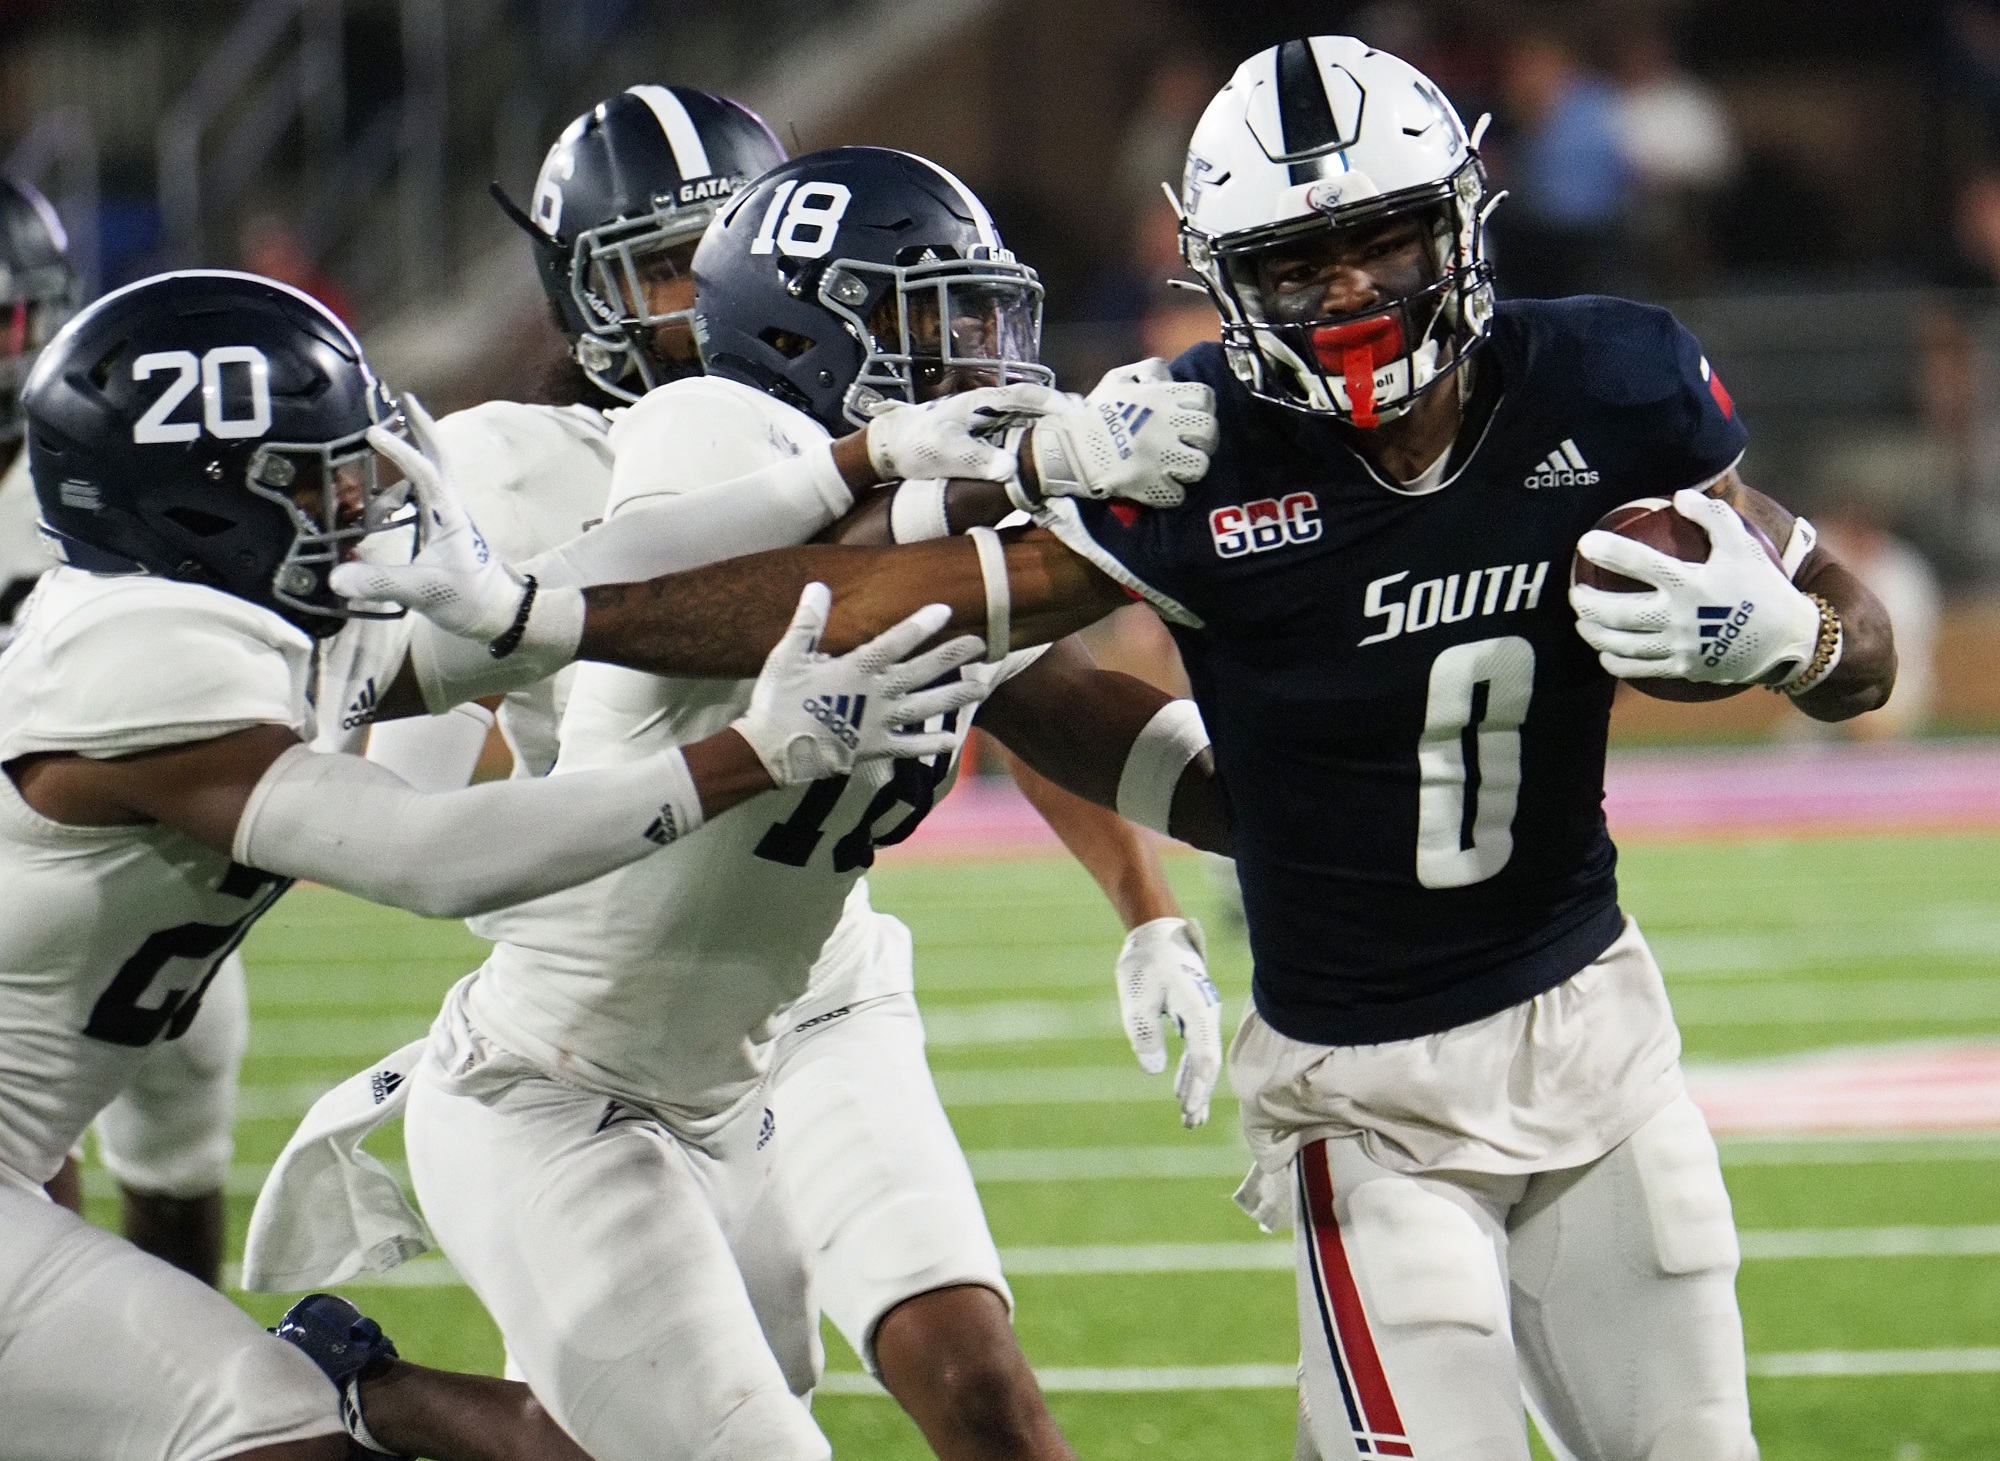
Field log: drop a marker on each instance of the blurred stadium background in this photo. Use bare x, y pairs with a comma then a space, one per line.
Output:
1815, 188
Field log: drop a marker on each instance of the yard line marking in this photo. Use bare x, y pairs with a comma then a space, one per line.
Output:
1056, 1086
1085, 1164
1808, 1149
1264, 1256
1804, 1364
1847, 1362
1944, 1001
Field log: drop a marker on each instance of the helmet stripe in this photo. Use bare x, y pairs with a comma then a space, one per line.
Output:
1303, 109
690, 157
981, 219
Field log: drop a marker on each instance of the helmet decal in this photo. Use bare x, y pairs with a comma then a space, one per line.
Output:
682, 134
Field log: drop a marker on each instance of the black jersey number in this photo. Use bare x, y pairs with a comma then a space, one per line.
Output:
914, 784
1469, 760
125, 1015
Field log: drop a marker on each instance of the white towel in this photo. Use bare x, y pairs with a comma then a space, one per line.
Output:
329, 1210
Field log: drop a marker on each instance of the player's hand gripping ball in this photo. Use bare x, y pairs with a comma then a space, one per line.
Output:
1687, 599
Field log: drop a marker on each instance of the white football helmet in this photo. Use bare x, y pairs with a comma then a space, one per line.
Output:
1311, 138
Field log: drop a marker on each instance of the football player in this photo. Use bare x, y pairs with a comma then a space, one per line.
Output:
665, 1001
204, 449
166, 1137
619, 204
1461, 1074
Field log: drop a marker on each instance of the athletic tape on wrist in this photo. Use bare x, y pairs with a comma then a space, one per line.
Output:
999, 593
1172, 738
1802, 541
917, 512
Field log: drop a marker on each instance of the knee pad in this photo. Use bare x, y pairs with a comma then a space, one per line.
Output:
1694, 1230
1421, 1259
1711, 1434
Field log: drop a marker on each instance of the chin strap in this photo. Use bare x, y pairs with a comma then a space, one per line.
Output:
1357, 350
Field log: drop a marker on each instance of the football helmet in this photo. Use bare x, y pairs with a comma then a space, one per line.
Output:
860, 274
209, 426
1310, 142
626, 185
38, 291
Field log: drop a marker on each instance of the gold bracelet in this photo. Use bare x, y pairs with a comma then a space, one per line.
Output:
1826, 651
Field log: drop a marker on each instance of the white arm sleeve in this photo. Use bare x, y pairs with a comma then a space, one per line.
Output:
432, 752
341, 821
777, 506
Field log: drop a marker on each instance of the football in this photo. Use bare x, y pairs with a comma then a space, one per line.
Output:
1653, 521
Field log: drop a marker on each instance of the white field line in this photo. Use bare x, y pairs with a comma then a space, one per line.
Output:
433, 1271
1804, 1364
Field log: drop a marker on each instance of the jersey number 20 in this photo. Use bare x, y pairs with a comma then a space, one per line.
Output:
1469, 760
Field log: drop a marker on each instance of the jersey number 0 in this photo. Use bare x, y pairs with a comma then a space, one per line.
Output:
1469, 760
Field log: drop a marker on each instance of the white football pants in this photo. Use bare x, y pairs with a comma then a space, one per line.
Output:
109, 1354
651, 1290
882, 1193
1429, 1304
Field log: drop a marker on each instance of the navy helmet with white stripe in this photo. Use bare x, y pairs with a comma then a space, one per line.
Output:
860, 274
622, 196
1311, 143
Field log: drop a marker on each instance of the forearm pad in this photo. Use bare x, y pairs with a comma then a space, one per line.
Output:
432, 752
341, 821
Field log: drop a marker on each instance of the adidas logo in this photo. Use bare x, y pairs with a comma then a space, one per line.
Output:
383, 1083
1124, 418
1720, 624
362, 711
664, 828
1564, 468
833, 712
767, 1129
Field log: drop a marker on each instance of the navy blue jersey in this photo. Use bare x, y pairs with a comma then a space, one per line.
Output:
1408, 727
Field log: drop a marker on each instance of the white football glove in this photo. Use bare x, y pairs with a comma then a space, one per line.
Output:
1734, 620
954, 436
1143, 440
1162, 976
455, 581
812, 715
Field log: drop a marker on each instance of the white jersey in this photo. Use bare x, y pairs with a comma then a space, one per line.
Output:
112, 933
664, 983
532, 477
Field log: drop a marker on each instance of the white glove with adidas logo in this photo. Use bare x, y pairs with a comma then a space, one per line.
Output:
1136, 437
1735, 619
813, 715
955, 436
1162, 977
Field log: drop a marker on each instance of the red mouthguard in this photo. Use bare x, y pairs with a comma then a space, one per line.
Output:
1357, 350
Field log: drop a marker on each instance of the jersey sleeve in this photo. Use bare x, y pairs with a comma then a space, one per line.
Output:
161, 665
1653, 365
695, 433
531, 476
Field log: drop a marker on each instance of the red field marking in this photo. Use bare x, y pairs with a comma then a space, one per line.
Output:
1734, 794
1907, 1088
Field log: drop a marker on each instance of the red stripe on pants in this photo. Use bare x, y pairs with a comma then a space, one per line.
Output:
1364, 1365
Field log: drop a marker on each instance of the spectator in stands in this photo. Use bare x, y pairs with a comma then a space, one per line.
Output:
1680, 152
1564, 229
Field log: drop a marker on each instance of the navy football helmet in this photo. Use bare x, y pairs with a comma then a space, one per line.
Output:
208, 426
38, 291
860, 274
621, 199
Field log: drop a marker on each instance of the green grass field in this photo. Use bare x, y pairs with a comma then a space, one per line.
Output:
1769, 948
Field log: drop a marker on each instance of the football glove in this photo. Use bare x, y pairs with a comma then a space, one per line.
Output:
1733, 620
1134, 437
812, 716
954, 436
456, 581
1162, 976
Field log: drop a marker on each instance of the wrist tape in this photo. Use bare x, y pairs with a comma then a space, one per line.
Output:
1153, 767
917, 512
999, 593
